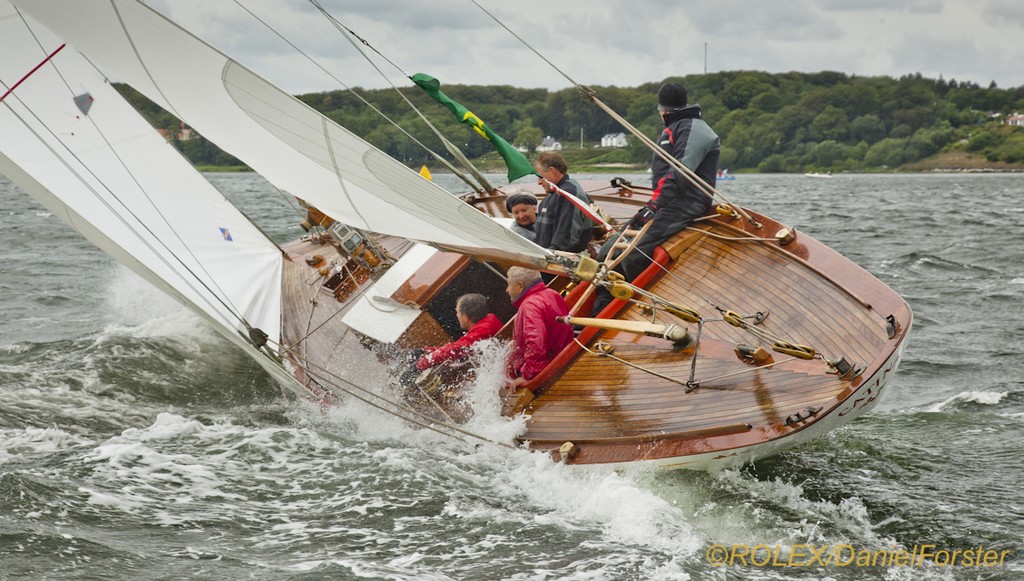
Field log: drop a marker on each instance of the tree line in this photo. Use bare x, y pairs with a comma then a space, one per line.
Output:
782, 122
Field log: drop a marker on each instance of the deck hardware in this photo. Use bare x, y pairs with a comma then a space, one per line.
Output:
785, 236
587, 269
604, 347
891, 326
728, 211
843, 368
567, 451
688, 315
733, 318
314, 260
621, 290
752, 354
802, 415
798, 351
760, 316
429, 381
692, 385
258, 337
679, 336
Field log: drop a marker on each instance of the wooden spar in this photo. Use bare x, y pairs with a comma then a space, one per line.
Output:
673, 333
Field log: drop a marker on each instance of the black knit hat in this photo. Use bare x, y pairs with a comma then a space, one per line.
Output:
671, 97
516, 199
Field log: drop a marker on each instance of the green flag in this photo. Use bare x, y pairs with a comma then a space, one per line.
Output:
518, 165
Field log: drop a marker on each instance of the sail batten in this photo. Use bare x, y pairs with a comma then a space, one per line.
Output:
292, 145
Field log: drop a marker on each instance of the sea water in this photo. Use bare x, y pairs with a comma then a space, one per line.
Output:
135, 443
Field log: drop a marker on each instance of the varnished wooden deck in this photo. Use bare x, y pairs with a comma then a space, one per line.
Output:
612, 409
617, 412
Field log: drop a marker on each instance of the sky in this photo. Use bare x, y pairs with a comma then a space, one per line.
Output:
610, 42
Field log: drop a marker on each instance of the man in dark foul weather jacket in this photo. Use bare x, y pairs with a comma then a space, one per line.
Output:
560, 225
676, 202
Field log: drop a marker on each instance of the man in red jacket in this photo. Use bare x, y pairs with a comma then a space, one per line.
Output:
538, 336
471, 311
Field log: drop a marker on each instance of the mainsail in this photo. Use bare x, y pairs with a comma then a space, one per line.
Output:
292, 145
73, 143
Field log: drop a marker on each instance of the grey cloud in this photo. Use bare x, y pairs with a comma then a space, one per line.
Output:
745, 20
932, 56
1004, 12
911, 6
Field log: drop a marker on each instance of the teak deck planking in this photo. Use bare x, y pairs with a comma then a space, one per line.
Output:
620, 413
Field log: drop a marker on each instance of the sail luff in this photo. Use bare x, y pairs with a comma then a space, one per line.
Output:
289, 143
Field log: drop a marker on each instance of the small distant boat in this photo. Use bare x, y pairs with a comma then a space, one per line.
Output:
815, 174
723, 175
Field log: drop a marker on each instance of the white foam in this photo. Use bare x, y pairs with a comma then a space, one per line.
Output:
139, 309
144, 472
487, 420
32, 441
982, 397
576, 497
1017, 281
166, 426
756, 520
366, 422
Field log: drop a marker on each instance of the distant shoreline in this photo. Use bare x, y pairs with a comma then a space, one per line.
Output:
949, 162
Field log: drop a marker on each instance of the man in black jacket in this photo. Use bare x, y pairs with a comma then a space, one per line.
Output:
676, 202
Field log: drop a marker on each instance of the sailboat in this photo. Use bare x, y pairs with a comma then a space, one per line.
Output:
742, 339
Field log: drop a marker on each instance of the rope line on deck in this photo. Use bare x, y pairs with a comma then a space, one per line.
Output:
630, 364
777, 342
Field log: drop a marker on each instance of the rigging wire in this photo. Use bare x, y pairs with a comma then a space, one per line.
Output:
436, 156
590, 94
205, 297
349, 34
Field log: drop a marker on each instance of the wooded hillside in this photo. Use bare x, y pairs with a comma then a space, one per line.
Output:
790, 122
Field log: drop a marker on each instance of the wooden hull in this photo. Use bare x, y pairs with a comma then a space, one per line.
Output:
638, 403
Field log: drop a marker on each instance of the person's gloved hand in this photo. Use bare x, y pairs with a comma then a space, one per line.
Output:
643, 216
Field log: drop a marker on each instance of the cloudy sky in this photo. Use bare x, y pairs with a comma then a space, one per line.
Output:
613, 42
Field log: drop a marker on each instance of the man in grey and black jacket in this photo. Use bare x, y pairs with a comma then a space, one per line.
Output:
676, 202
560, 224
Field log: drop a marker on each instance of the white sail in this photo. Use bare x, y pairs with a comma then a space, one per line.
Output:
72, 142
292, 145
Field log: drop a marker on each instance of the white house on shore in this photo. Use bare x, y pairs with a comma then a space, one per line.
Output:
549, 144
614, 140
1017, 120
